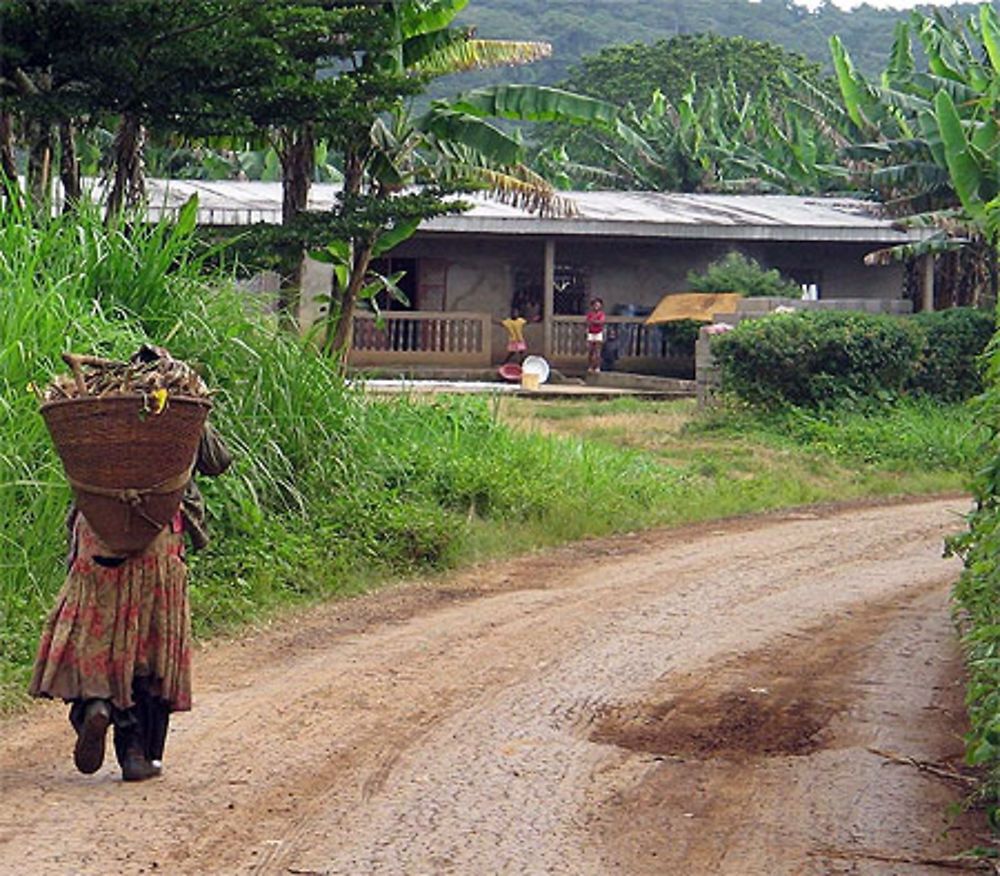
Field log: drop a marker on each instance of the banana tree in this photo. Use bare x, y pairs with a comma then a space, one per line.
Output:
715, 139
928, 140
929, 137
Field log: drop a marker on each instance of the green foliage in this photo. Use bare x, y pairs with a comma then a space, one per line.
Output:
950, 367
925, 136
813, 358
578, 29
736, 125
977, 594
625, 74
734, 272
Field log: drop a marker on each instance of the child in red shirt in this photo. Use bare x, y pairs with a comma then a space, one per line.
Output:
595, 334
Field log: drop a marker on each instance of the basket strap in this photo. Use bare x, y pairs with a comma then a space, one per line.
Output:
135, 496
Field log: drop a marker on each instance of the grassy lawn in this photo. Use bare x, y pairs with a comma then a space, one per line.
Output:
746, 462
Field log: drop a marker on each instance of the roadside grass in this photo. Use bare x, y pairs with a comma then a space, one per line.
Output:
740, 457
427, 485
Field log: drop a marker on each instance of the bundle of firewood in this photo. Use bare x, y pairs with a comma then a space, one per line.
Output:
93, 376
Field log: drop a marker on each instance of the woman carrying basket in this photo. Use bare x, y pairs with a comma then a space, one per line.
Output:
117, 644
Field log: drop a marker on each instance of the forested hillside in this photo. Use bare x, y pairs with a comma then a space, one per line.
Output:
583, 27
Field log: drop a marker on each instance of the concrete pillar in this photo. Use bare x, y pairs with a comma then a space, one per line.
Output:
927, 282
548, 296
317, 282
706, 372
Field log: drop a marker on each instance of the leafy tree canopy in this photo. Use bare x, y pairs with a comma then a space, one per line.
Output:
632, 73
737, 273
700, 113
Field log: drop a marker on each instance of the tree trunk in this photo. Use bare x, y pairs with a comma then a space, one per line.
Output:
340, 318
297, 156
339, 342
69, 166
38, 135
40, 164
128, 187
296, 152
8, 166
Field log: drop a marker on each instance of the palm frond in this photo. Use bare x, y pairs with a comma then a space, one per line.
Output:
436, 55
535, 103
907, 251
516, 185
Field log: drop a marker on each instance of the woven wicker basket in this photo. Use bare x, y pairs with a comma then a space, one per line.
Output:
127, 466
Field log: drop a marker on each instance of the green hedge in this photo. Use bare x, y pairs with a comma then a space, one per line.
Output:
810, 358
813, 358
950, 367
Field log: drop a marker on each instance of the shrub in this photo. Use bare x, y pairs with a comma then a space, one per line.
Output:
737, 273
681, 336
977, 594
811, 358
950, 367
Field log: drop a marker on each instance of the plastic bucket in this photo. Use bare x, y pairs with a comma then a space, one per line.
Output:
530, 380
536, 365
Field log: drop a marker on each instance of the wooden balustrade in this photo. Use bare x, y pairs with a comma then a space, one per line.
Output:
422, 337
464, 340
635, 339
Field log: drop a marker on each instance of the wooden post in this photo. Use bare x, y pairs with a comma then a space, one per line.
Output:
927, 282
548, 293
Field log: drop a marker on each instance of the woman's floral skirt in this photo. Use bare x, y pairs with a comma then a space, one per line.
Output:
112, 623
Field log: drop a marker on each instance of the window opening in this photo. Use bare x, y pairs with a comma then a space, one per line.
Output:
569, 294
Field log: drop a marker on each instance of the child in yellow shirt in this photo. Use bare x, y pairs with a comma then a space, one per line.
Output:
515, 335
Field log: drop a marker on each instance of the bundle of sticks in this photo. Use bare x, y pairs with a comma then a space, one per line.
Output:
93, 376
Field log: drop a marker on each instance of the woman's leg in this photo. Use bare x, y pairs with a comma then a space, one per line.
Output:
155, 718
90, 719
133, 728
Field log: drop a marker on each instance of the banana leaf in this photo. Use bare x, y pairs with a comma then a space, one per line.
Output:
535, 103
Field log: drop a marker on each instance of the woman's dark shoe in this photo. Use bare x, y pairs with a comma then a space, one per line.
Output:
88, 755
135, 767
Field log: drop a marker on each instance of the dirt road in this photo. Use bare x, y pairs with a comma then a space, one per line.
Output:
752, 697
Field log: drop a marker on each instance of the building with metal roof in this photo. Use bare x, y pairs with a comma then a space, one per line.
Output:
465, 273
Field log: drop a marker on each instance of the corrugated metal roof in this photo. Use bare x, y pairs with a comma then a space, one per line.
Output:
624, 214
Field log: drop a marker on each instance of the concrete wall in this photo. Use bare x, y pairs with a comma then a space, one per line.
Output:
627, 271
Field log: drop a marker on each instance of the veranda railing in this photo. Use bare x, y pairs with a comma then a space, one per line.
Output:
454, 339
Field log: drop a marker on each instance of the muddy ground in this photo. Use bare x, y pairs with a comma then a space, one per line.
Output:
776, 695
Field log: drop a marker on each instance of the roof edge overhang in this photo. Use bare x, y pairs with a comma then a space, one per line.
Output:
537, 227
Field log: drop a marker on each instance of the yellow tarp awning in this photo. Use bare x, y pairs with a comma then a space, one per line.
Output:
701, 306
